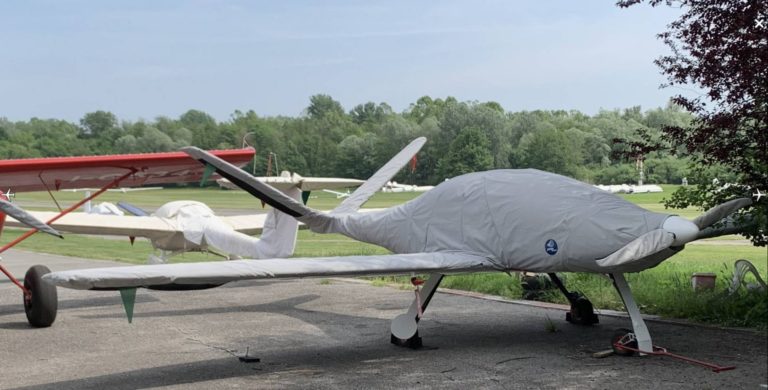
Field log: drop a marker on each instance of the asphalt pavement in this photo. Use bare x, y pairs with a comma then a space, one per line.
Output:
329, 333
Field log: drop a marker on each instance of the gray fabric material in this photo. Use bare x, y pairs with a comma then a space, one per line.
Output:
380, 178
25, 218
229, 271
646, 245
496, 220
721, 211
510, 215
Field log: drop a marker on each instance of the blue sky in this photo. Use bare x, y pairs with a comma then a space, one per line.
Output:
142, 59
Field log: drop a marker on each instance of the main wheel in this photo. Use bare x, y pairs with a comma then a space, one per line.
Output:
618, 336
582, 312
41, 306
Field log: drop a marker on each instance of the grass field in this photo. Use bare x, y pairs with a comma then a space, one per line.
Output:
664, 290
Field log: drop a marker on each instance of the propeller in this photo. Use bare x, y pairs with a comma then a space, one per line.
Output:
676, 232
26, 218
720, 211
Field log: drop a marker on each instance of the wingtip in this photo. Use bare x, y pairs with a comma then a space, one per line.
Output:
192, 151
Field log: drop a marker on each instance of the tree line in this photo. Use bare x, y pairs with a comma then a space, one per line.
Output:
327, 140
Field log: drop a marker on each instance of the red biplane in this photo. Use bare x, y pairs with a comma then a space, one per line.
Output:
104, 172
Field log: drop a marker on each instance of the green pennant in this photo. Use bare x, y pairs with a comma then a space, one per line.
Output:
305, 196
128, 295
209, 169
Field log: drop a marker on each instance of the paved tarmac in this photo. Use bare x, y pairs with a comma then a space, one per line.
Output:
335, 334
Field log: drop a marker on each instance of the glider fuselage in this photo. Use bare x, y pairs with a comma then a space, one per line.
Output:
521, 219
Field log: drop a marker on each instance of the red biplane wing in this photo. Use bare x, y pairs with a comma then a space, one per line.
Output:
56, 173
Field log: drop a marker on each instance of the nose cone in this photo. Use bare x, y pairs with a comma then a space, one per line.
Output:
684, 230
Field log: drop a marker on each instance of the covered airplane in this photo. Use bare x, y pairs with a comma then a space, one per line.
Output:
500, 220
103, 172
186, 226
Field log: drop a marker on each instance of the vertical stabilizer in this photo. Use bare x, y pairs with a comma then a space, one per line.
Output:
380, 178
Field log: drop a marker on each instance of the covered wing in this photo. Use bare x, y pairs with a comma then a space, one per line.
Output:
217, 273
110, 225
134, 226
25, 218
246, 224
55, 173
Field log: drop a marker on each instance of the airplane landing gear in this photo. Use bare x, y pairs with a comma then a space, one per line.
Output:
623, 337
405, 327
40, 298
582, 312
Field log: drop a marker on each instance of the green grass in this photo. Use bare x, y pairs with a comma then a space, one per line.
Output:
214, 197
664, 290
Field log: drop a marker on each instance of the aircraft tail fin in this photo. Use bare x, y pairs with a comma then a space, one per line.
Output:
318, 221
278, 237
380, 178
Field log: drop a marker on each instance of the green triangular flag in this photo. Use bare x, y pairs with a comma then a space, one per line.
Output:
305, 196
209, 169
128, 296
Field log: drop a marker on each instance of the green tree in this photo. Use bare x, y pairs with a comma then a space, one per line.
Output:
321, 106
469, 152
204, 129
551, 150
720, 48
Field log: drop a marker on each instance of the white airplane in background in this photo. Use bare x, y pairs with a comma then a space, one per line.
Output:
339, 195
630, 188
393, 186
288, 180
500, 220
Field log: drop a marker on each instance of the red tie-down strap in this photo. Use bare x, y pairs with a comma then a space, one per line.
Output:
416, 282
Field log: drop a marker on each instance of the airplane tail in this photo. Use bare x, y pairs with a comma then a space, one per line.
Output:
278, 236
317, 220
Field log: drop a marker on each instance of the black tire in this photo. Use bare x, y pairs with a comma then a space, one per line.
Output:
41, 307
582, 312
618, 335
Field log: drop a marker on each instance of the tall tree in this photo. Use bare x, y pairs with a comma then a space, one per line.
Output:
720, 47
469, 152
321, 106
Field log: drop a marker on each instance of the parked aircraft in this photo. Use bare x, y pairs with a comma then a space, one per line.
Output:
500, 220
185, 226
630, 188
339, 195
104, 172
288, 180
393, 186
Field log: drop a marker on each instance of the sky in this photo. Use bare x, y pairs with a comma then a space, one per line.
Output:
141, 59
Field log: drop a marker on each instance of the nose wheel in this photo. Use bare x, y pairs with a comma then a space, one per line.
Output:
40, 298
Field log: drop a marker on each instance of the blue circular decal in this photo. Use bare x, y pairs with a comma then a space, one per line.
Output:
551, 247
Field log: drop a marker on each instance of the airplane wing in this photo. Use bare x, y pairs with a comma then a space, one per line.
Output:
189, 275
109, 225
128, 225
25, 218
56, 173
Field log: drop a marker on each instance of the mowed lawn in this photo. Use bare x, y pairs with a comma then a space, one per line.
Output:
663, 290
